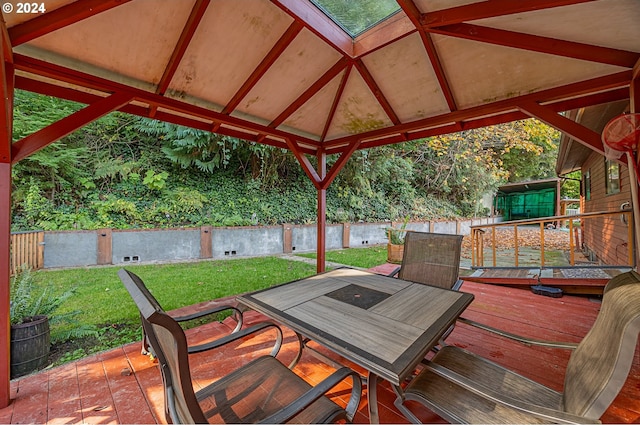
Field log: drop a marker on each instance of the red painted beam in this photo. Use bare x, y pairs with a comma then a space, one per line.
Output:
490, 9
289, 35
339, 164
318, 23
409, 7
535, 43
336, 101
305, 163
6, 135
549, 96
310, 92
44, 137
56, 72
59, 18
199, 8
375, 89
578, 132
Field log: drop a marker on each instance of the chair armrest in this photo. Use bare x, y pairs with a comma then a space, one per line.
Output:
318, 391
241, 334
394, 272
212, 310
519, 338
550, 415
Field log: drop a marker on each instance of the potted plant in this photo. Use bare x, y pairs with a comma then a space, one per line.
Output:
32, 310
395, 242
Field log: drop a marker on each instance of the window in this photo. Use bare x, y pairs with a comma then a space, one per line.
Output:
586, 184
357, 16
612, 176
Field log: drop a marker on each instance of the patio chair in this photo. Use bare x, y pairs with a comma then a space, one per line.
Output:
147, 349
263, 390
463, 387
432, 259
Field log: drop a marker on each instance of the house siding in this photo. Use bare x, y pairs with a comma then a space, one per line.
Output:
605, 237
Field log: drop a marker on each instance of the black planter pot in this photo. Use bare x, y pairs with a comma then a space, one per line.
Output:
29, 346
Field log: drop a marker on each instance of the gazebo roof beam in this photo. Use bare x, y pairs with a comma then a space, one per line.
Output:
540, 44
489, 9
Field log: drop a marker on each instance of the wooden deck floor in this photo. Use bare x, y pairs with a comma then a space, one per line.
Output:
123, 386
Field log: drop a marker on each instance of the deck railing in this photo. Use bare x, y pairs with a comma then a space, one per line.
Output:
478, 232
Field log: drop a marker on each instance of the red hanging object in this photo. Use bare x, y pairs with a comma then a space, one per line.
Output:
622, 133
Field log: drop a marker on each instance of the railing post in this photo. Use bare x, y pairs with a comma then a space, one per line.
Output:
515, 243
542, 243
571, 247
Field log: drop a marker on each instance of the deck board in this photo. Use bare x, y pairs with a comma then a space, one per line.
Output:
95, 389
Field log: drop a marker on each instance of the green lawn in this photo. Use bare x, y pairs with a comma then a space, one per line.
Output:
102, 301
357, 257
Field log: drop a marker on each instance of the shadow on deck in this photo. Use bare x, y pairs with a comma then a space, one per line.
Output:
123, 386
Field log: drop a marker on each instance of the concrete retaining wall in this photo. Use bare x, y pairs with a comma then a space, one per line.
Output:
107, 246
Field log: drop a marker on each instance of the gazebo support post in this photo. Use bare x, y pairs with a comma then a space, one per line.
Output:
6, 130
321, 253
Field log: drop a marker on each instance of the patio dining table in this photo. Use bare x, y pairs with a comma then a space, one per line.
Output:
381, 324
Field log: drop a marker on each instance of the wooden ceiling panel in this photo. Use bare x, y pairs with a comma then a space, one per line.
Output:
358, 110
480, 73
117, 42
404, 74
595, 23
298, 67
310, 118
231, 41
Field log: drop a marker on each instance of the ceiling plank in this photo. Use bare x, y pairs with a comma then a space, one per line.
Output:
558, 94
409, 7
490, 9
311, 91
60, 73
576, 131
53, 132
273, 55
375, 89
199, 8
59, 18
540, 44
336, 101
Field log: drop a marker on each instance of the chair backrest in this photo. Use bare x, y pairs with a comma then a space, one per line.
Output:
170, 346
600, 365
431, 258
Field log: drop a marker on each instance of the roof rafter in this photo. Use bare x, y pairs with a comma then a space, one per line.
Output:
490, 9
311, 91
45, 69
375, 89
289, 35
576, 131
336, 101
558, 94
199, 8
540, 44
409, 7
60, 18
53, 132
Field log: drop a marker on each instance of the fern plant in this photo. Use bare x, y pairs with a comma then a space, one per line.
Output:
29, 300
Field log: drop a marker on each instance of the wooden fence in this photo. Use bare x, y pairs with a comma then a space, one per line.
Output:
27, 249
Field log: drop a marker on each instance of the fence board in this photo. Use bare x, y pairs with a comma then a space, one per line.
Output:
27, 249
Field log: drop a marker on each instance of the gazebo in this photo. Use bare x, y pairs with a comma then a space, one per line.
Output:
312, 76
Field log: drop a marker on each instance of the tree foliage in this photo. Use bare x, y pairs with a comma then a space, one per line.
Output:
128, 172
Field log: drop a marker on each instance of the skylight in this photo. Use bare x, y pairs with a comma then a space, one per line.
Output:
357, 16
